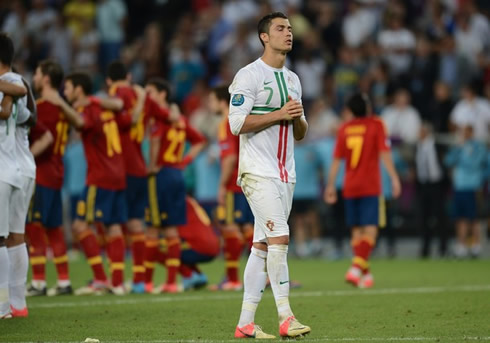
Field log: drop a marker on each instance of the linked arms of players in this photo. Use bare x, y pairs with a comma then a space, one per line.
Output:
292, 110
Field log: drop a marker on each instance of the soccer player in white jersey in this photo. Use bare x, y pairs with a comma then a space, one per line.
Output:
266, 111
11, 184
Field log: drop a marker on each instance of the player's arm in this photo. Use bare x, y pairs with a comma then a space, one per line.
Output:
155, 142
40, 145
138, 108
31, 105
390, 168
73, 117
228, 164
12, 89
300, 127
198, 142
330, 194
111, 103
6, 110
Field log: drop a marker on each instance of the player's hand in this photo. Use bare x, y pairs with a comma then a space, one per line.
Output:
396, 187
292, 109
174, 113
330, 195
140, 91
221, 195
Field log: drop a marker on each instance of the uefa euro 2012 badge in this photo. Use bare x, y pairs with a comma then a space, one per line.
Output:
237, 100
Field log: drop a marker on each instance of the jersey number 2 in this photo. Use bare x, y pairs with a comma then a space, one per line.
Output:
176, 139
355, 143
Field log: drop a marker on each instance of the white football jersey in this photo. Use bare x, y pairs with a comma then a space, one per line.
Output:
24, 156
259, 89
11, 172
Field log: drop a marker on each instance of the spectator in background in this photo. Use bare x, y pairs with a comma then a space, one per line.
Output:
440, 107
153, 51
311, 67
304, 218
472, 110
86, 47
467, 160
111, 21
346, 76
323, 121
449, 64
329, 26
15, 25
397, 44
60, 44
402, 119
40, 20
430, 175
423, 74
469, 46
380, 86
77, 13
358, 25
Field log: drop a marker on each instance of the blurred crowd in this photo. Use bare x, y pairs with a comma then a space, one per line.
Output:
425, 64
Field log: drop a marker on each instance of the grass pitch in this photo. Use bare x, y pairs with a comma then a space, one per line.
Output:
423, 301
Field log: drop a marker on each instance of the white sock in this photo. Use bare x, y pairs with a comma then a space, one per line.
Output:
4, 282
277, 267
64, 283
254, 281
19, 265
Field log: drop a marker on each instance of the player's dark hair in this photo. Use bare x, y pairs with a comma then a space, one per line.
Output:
161, 85
6, 49
265, 23
222, 93
359, 104
54, 71
81, 79
117, 71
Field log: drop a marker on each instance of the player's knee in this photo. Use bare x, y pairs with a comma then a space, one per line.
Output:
135, 226
260, 246
114, 231
278, 240
171, 232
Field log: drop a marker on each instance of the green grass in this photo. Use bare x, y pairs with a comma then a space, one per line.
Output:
412, 301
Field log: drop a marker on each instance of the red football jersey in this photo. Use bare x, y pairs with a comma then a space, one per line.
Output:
173, 138
131, 135
198, 232
102, 145
229, 145
360, 142
49, 165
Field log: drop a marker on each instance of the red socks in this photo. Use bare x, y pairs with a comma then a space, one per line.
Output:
173, 259
138, 252
362, 250
56, 239
150, 257
37, 250
90, 247
233, 250
115, 252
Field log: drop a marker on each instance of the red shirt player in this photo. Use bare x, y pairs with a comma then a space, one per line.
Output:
45, 218
361, 142
233, 211
104, 198
166, 188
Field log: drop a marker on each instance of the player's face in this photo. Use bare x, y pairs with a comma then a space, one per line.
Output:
280, 35
38, 79
152, 92
69, 92
214, 103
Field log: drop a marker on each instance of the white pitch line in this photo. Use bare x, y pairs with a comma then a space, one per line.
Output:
317, 339
235, 296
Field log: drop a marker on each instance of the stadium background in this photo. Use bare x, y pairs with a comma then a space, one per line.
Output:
339, 47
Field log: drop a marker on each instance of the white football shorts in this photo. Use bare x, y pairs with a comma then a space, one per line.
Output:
20, 206
270, 201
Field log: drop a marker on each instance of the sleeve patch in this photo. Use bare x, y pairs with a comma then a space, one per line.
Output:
237, 100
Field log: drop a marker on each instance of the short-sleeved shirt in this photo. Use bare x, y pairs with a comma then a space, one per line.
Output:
131, 135
50, 168
360, 142
102, 145
259, 89
229, 145
174, 136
